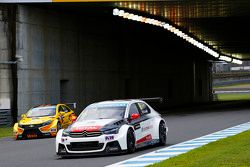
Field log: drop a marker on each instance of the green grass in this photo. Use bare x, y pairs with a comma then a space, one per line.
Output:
229, 152
235, 96
246, 85
6, 131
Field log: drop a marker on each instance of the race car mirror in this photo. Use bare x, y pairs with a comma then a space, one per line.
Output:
134, 116
61, 112
23, 115
73, 118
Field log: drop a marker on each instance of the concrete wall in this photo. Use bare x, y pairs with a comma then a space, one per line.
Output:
5, 69
81, 57
38, 41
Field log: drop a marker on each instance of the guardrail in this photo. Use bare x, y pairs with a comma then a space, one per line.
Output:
5, 117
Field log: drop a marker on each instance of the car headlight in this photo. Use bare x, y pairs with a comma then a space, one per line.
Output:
111, 131
65, 133
46, 123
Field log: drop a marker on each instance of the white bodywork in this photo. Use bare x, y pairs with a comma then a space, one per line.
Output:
147, 134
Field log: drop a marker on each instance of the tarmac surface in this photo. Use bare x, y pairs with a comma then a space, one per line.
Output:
182, 126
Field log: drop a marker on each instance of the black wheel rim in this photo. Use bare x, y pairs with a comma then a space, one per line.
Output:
162, 133
131, 141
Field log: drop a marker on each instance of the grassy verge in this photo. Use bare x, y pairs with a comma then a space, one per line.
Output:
246, 85
229, 152
233, 96
5, 131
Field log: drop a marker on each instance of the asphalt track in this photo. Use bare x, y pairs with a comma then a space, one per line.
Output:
183, 126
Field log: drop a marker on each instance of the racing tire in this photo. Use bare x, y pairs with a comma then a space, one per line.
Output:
162, 134
130, 141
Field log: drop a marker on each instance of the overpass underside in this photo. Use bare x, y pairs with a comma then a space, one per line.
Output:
88, 55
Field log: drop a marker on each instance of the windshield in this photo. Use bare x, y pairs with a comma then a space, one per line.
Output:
93, 112
42, 111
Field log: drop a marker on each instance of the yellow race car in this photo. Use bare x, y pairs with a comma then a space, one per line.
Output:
44, 121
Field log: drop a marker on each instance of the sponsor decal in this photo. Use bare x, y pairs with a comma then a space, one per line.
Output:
109, 138
146, 138
143, 129
32, 135
64, 139
137, 126
86, 128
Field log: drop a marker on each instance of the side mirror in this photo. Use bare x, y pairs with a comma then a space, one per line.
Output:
23, 116
61, 112
134, 116
73, 118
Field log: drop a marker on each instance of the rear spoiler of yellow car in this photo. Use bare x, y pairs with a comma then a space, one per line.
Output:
71, 104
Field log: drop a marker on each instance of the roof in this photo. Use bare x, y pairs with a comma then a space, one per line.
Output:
117, 102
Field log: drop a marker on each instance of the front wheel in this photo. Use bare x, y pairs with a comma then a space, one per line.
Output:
162, 134
130, 141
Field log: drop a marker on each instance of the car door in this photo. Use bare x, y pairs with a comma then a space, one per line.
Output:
63, 116
136, 122
146, 122
66, 116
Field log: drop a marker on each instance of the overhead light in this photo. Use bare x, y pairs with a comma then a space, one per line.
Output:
171, 28
166, 26
125, 15
120, 13
225, 58
116, 12
236, 61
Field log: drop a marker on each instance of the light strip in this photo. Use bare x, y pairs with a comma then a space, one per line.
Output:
176, 31
236, 61
225, 58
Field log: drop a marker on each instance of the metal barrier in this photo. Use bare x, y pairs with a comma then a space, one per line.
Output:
5, 117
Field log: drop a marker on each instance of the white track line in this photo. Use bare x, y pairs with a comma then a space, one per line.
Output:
174, 150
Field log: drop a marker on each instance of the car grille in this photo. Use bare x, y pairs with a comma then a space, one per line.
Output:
85, 146
85, 134
31, 131
31, 126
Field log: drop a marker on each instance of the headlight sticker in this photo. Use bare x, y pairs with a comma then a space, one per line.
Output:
53, 130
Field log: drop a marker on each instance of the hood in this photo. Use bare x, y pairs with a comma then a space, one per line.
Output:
35, 120
91, 125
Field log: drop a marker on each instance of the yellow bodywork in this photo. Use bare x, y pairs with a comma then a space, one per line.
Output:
49, 124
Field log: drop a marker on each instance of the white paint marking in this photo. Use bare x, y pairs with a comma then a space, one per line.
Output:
165, 153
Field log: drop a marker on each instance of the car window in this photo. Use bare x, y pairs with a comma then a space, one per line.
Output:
42, 111
68, 108
65, 109
133, 110
143, 108
61, 108
102, 112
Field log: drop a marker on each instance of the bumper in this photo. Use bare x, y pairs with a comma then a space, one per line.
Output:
104, 144
35, 133
109, 148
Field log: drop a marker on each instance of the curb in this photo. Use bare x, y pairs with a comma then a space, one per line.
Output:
175, 150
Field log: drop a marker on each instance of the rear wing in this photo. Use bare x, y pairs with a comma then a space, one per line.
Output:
152, 99
73, 105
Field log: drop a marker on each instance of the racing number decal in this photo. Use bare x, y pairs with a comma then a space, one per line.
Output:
137, 126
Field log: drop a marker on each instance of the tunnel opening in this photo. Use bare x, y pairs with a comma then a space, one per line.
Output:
84, 54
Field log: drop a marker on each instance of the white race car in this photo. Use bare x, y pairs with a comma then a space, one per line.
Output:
112, 127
